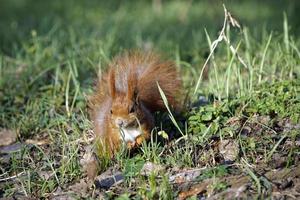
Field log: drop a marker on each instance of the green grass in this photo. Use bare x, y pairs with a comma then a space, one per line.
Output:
51, 52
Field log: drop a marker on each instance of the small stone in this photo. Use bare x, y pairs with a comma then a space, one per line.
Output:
7, 137
150, 167
246, 130
229, 150
11, 148
109, 178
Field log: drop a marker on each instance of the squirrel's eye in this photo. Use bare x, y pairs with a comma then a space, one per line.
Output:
110, 111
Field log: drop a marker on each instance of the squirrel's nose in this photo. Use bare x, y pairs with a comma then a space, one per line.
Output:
119, 122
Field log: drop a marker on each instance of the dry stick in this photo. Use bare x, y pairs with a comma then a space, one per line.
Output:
11, 177
221, 37
3, 174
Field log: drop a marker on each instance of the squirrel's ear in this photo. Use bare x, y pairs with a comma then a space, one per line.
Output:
132, 94
112, 86
132, 90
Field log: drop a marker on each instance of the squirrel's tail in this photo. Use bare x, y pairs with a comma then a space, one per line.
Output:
140, 73
164, 74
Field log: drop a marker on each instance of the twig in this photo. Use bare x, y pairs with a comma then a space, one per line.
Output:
11, 177
3, 174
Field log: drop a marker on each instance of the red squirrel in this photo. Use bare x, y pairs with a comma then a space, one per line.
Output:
127, 95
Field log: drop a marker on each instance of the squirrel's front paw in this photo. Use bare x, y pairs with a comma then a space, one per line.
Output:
130, 145
139, 140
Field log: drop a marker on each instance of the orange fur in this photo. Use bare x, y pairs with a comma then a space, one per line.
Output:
127, 95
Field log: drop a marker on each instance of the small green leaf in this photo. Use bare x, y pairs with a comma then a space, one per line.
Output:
163, 134
207, 116
194, 118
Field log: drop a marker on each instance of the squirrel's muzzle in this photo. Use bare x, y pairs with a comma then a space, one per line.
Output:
120, 122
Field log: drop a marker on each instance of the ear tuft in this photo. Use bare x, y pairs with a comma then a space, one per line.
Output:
112, 86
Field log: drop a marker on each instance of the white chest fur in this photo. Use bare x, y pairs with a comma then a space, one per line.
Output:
129, 134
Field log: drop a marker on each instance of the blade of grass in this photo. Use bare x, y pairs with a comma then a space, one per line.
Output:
74, 72
248, 57
50, 163
263, 59
214, 65
275, 146
67, 94
294, 46
1, 68
286, 33
253, 176
213, 47
41, 74
165, 100
228, 74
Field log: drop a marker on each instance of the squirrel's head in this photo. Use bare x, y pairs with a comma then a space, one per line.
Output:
124, 111
125, 104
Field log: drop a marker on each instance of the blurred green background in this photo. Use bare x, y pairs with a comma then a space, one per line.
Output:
136, 23
40, 40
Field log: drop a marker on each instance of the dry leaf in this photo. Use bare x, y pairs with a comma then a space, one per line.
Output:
195, 189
